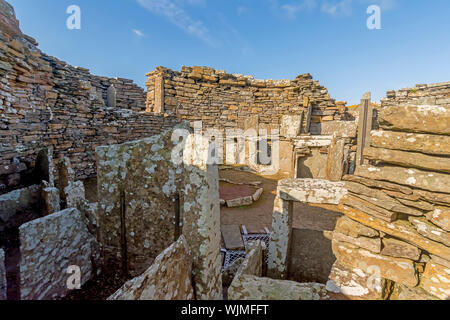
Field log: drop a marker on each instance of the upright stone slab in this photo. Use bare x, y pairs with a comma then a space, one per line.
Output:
111, 96
279, 245
335, 161
290, 126
364, 126
44, 169
168, 278
66, 175
3, 290
159, 94
48, 246
146, 201
299, 190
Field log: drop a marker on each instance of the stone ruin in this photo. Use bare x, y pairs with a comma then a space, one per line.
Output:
156, 222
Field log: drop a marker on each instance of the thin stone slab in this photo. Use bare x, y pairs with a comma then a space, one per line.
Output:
232, 237
311, 191
2, 276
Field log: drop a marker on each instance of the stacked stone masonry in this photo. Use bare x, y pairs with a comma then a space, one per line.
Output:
222, 100
394, 242
47, 102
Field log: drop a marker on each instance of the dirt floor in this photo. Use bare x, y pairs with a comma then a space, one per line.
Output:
228, 191
259, 215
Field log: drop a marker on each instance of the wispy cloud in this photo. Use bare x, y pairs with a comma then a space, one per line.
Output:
175, 14
292, 9
384, 4
241, 10
341, 7
137, 32
330, 7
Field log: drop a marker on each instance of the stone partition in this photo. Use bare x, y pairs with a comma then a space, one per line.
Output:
3, 288
289, 191
395, 241
168, 278
48, 246
146, 201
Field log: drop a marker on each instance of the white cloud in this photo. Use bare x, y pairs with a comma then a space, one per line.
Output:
342, 7
241, 10
384, 4
137, 32
173, 12
292, 9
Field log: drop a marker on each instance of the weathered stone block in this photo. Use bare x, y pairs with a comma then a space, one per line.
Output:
408, 159
425, 143
354, 229
430, 231
290, 125
395, 269
311, 191
50, 200
168, 278
250, 287
402, 292
17, 201
279, 245
432, 181
440, 217
399, 229
371, 244
239, 202
356, 284
399, 249
48, 246
74, 194
436, 280
160, 199
420, 119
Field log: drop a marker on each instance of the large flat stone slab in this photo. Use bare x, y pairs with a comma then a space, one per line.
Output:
48, 246
430, 181
402, 230
415, 142
255, 288
168, 278
232, 237
420, 119
408, 159
395, 269
311, 191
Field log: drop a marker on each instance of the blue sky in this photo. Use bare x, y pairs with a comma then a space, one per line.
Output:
269, 39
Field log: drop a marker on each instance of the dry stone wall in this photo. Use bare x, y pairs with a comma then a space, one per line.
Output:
47, 102
398, 208
224, 100
48, 246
